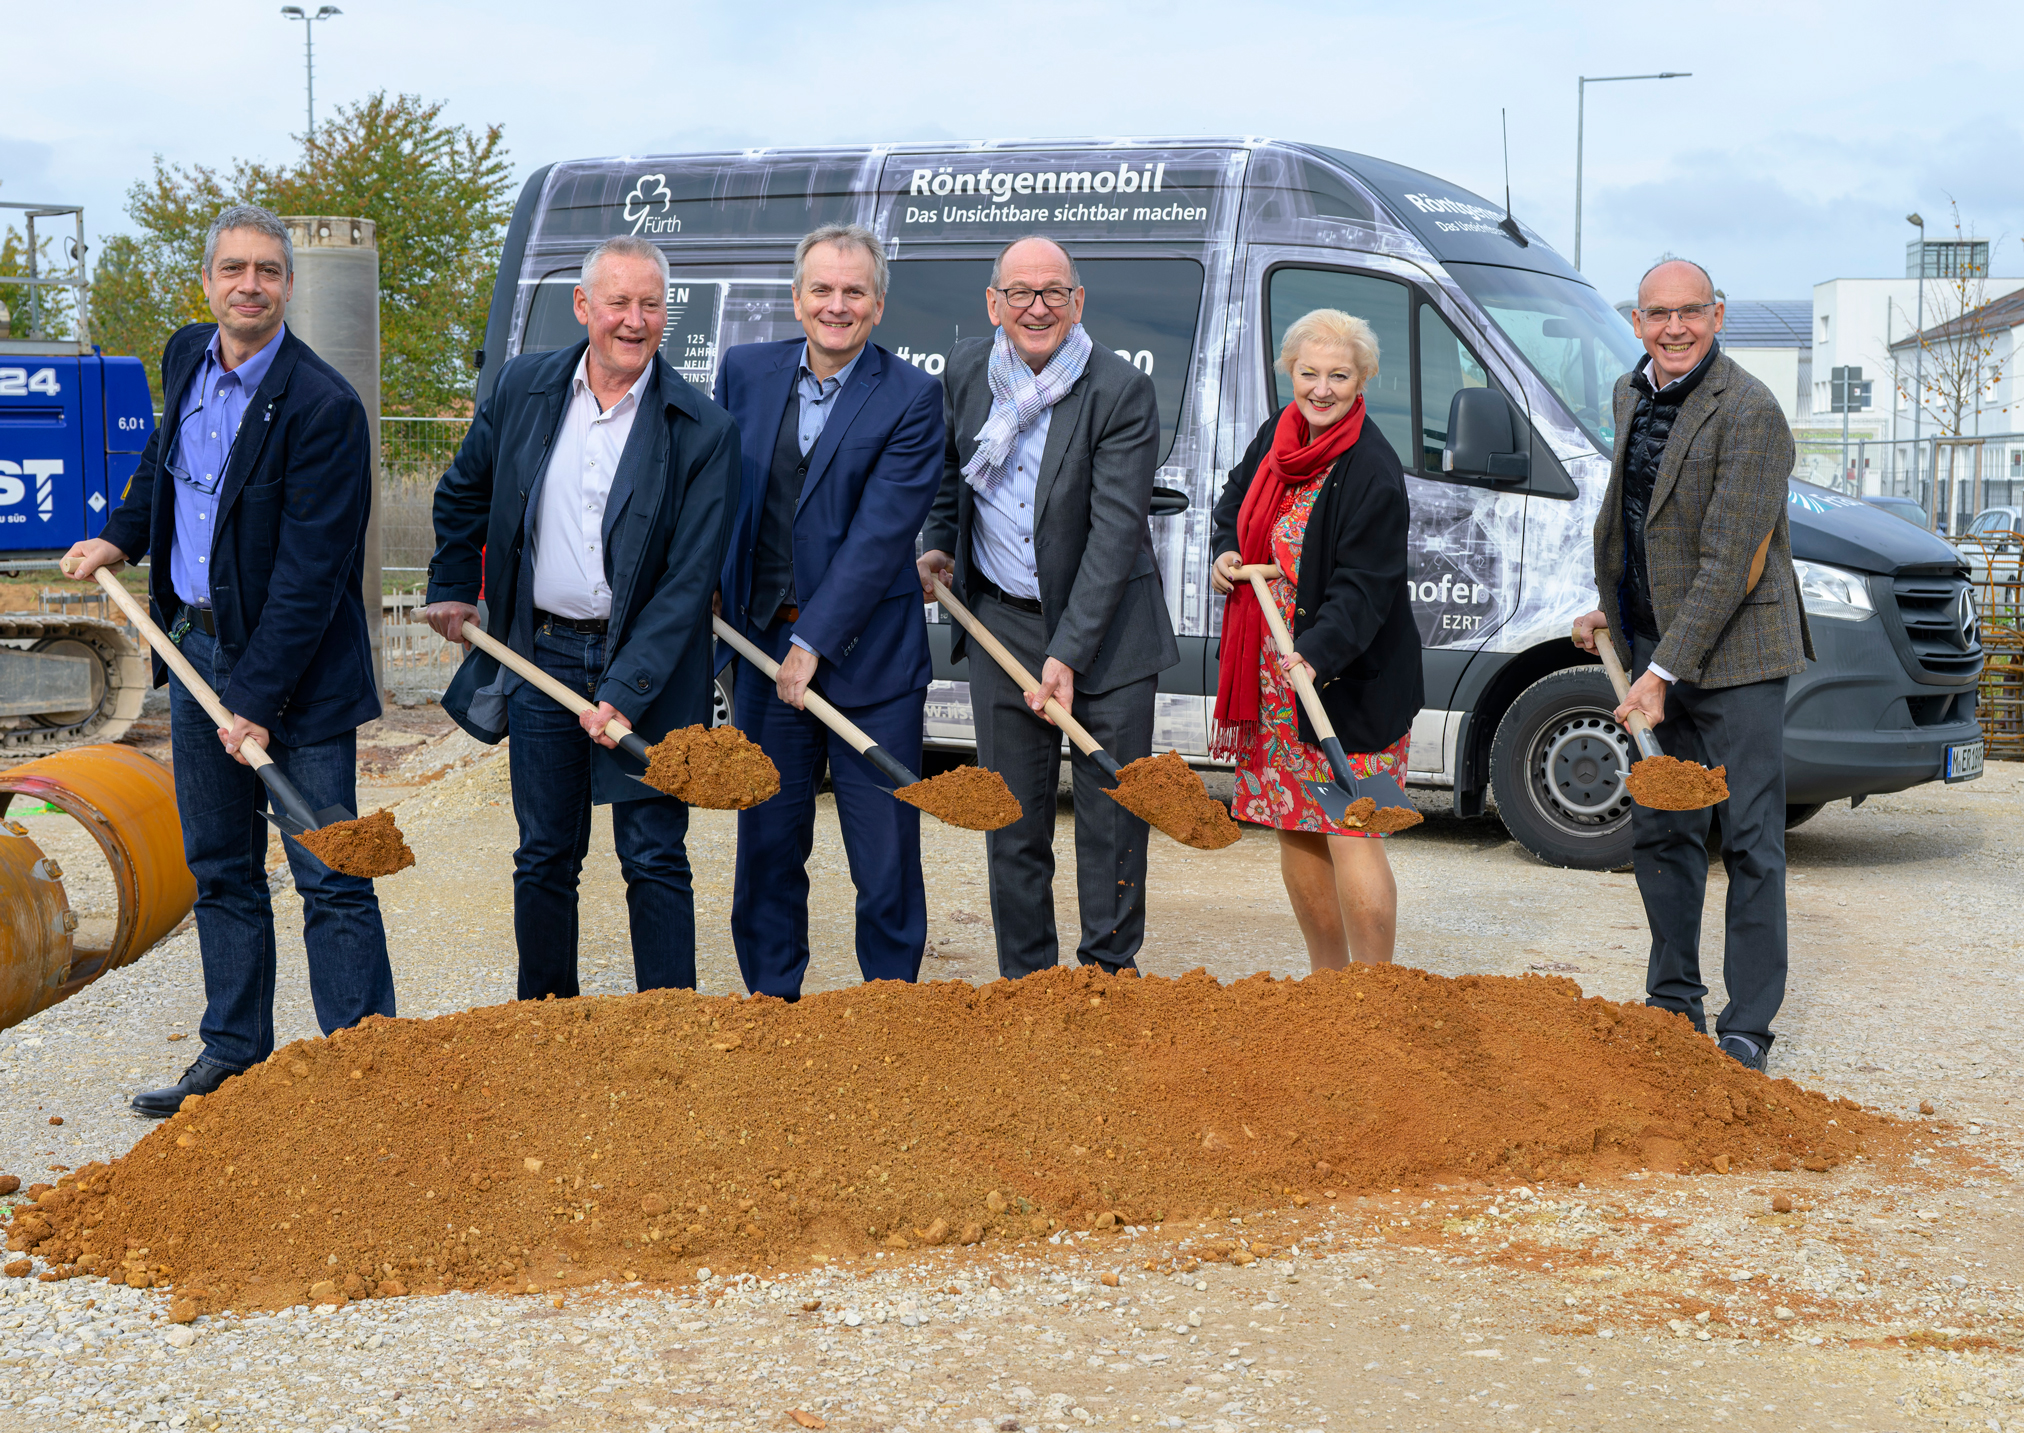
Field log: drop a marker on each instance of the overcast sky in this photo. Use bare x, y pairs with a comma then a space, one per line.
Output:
1805, 134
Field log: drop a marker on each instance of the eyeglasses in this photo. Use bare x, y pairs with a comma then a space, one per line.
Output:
1023, 298
1689, 313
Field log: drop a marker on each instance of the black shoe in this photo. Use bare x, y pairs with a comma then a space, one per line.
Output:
1743, 1050
199, 1079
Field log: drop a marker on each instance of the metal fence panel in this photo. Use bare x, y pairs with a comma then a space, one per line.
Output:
414, 453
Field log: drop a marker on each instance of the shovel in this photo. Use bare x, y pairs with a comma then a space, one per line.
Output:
1191, 817
294, 815
630, 742
1656, 781
1333, 797
907, 787
368, 849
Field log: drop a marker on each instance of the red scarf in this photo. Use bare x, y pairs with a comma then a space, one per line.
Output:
1297, 458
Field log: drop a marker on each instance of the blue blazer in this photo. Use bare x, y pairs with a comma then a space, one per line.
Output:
288, 552
665, 525
872, 476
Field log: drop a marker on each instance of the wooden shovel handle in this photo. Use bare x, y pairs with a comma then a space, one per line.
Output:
506, 657
255, 754
828, 715
1302, 683
1640, 724
1014, 668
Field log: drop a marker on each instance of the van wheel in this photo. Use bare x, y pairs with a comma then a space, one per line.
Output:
1557, 768
720, 700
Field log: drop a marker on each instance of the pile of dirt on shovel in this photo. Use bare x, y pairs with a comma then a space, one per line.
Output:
1165, 793
371, 846
966, 796
1665, 783
536, 1145
719, 769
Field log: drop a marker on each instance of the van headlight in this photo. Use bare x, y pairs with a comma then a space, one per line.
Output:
1831, 592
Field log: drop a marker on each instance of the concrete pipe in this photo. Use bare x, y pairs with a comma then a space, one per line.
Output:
128, 804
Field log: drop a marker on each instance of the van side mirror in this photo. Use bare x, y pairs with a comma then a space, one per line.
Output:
1485, 438
1169, 502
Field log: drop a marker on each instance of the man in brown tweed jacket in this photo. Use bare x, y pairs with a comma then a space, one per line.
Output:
1693, 563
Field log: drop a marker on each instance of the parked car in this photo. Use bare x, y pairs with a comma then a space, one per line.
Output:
1197, 255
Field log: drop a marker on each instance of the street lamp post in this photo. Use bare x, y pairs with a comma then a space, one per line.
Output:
1580, 128
296, 12
1919, 376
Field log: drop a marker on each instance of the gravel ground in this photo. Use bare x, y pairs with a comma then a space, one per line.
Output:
1886, 1298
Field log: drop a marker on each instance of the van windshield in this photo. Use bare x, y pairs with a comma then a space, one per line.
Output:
1578, 343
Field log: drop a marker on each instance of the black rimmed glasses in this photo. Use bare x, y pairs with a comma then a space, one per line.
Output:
1689, 313
1022, 298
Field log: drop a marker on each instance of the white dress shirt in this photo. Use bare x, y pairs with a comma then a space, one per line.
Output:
1002, 538
568, 531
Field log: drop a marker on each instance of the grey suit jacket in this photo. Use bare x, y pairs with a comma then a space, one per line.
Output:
1100, 597
1716, 536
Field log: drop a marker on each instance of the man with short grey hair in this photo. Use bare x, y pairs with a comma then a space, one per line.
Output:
842, 453
590, 502
1042, 519
1693, 566
252, 497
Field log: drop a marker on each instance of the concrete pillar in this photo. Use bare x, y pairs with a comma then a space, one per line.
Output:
335, 311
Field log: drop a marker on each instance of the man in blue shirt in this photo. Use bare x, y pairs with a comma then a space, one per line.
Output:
253, 497
841, 453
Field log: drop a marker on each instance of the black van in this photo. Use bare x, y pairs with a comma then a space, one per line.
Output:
1197, 254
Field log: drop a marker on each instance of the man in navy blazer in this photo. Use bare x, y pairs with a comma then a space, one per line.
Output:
252, 497
592, 498
841, 446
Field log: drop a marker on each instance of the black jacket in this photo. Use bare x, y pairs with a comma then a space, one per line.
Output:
1352, 615
666, 523
288, 554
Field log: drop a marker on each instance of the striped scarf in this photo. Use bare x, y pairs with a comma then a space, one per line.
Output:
1018, 397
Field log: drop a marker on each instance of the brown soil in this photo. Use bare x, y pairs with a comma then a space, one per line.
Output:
533, 1145
1665, 783
966, 796
1164, 793
370, 846
716, 769
1391, 819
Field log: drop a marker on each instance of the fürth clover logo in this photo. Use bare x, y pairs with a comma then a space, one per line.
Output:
646, 208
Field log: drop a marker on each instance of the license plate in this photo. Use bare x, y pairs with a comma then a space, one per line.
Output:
1964, 761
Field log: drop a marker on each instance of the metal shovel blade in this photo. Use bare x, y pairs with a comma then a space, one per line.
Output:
288, 826
1384, 790
1331, 798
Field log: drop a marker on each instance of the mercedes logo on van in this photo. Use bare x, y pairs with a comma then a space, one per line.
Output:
1967, 621
646, 208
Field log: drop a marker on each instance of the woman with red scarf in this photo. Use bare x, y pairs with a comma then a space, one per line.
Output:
1322, 495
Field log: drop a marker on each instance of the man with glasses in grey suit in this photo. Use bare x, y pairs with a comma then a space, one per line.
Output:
1042, 521
1693, 565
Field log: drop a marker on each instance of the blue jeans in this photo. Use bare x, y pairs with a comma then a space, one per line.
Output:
550, 757
881, 836
225, 843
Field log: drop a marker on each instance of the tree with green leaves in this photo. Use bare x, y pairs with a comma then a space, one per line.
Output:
439, 195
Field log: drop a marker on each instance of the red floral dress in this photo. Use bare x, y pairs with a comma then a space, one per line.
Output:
1269, 774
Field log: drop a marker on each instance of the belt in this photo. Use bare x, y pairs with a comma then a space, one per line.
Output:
586, 626
985, 587
202, 618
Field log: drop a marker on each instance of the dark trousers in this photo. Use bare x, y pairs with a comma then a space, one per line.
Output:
1110, 842
1742, 728
550, 756
225, 843
881, 836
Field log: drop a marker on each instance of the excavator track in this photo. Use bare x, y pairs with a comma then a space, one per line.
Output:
120, 685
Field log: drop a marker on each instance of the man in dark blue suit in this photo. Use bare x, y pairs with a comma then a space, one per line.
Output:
598, 487
253, 496
842, 451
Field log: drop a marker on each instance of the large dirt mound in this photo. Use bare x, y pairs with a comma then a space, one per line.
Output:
558, 1142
